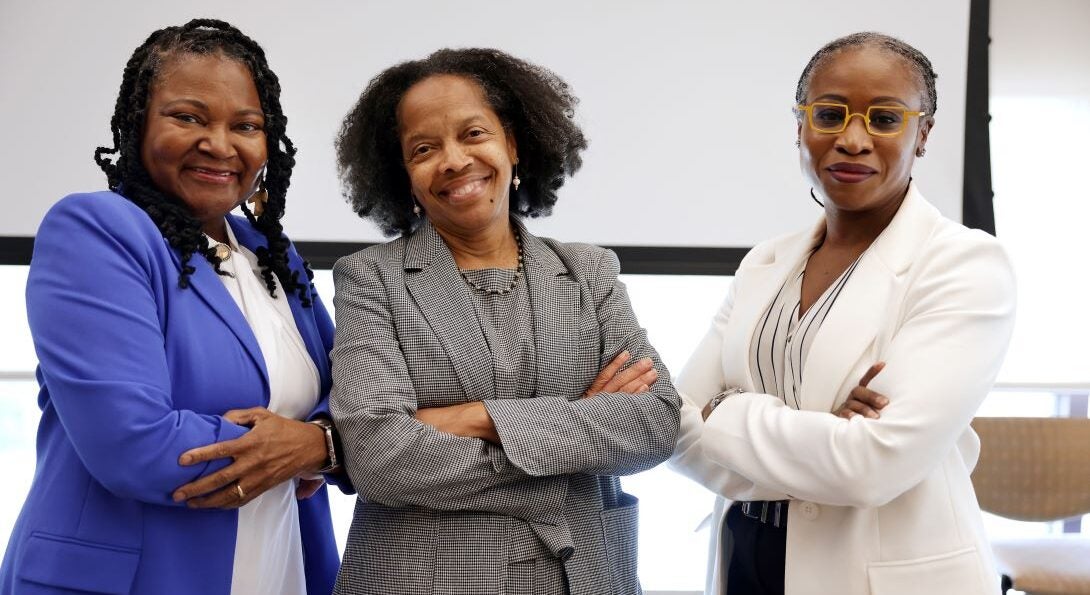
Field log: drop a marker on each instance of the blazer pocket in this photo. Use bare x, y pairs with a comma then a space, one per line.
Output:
70, 563
955, 573
620, 529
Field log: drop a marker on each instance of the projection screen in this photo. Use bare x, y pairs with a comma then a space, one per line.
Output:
687, 104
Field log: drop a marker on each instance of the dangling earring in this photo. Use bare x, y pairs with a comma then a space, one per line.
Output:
798, 143
515, 181
258, 199
814, 196
416, 207
920, 152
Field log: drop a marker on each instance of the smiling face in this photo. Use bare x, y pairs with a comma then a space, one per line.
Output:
853, 169
457, 153
204, 139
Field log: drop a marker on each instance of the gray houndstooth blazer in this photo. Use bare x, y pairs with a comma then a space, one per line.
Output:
438, 513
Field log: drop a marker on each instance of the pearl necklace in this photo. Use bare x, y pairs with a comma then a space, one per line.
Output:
514, 282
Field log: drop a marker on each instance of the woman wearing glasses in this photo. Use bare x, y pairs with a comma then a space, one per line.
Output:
831, 398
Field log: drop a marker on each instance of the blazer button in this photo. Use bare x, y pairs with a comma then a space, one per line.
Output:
810, 511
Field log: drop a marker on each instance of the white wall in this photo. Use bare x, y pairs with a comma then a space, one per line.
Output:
687, 104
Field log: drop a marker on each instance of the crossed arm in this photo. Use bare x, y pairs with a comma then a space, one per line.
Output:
939, 365
472, 456
274, 450
92, 280
94, 318
472, 420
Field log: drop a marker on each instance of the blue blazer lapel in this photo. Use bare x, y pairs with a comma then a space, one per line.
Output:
304, 317
206, 284
555, 301
433, 280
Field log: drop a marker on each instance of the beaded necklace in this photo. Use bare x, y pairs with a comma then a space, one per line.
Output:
514, 282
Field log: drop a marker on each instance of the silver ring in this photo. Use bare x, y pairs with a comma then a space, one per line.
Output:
238, 490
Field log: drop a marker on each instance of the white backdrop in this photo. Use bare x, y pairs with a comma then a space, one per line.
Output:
687, 104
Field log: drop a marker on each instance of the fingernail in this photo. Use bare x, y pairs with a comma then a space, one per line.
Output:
883, 401
179, 496
185, 460
872, 415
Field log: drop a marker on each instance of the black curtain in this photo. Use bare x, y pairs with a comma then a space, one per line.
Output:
976, 201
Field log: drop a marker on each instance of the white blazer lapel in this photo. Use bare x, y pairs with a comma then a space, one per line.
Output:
848, 329
854, 321
757, 285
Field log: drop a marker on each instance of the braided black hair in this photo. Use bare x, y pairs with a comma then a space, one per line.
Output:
915, 58
127, 176
533, 103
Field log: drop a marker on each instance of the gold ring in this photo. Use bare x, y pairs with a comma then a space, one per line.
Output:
238, 490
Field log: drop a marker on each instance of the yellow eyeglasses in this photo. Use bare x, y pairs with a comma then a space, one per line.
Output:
880, 120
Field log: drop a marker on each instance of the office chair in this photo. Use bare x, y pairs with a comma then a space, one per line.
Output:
1037, 469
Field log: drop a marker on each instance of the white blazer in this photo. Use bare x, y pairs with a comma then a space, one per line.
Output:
884, 506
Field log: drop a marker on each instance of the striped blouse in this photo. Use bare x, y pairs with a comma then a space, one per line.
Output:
781, 340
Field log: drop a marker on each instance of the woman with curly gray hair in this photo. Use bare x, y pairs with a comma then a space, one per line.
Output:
481, 378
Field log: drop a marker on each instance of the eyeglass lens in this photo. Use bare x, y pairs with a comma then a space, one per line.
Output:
830, 117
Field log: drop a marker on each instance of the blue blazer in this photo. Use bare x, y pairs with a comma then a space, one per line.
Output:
134, 371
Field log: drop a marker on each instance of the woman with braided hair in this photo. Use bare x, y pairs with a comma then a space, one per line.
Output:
828, 405
181, 349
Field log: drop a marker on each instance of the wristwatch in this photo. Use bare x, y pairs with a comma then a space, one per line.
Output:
723, 396
330, 444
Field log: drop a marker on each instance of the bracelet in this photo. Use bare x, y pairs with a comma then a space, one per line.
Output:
723, 396
330, 445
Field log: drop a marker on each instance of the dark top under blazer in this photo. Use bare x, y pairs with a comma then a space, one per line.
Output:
134, 371
444, 514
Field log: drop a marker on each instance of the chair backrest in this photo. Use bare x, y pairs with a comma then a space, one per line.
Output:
1033, 468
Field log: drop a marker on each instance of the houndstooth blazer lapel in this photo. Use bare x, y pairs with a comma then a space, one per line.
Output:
555, 302
433, 280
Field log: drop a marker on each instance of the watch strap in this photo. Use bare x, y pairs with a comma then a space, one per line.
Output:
330, 444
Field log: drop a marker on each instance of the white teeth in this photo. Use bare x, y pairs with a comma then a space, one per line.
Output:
222, 174
466, 189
